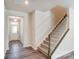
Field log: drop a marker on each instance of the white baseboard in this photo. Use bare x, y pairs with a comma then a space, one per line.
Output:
27, 45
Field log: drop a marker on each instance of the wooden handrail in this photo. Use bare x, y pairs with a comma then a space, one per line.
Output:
49, 55
60, 22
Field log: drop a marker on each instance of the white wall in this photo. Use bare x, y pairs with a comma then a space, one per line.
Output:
6, 40
67, 44
42, 24
25, 39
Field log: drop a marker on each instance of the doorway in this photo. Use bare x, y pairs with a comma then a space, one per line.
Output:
15, 26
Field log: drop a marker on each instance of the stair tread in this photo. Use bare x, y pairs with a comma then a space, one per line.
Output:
53, 41
46, 45
45, 50
46, 42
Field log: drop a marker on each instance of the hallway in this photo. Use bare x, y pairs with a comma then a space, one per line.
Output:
16, 51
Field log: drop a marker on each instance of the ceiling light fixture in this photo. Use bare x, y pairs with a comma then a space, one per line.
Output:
26, 2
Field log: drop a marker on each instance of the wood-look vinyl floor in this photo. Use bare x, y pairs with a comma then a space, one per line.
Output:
16, 51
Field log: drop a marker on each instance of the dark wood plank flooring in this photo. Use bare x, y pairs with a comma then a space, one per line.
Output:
16, 51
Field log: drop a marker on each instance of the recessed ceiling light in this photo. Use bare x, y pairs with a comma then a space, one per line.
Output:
26, 2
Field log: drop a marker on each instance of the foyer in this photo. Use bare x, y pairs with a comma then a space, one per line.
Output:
36, 29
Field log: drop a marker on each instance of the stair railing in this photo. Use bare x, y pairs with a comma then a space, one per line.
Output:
49, 37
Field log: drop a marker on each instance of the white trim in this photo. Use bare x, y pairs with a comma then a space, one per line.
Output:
29, 45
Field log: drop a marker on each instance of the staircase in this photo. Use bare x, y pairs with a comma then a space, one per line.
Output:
51, 43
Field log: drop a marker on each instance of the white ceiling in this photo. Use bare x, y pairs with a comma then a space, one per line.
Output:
43, 5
